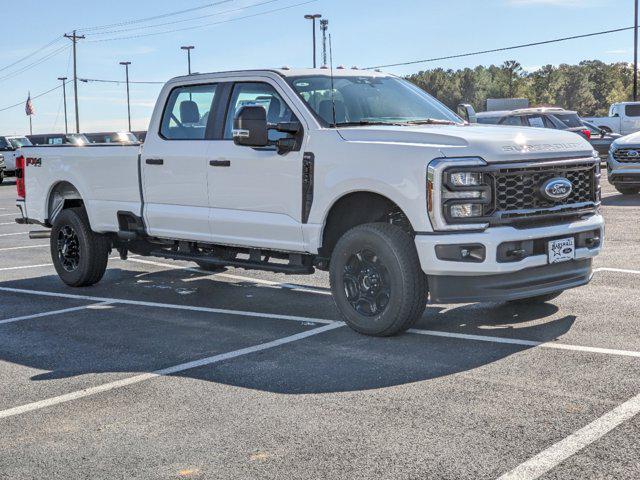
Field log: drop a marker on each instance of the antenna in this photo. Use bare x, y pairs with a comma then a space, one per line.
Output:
333, 95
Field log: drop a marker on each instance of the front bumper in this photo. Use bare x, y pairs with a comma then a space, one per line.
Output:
492, 238
623, 173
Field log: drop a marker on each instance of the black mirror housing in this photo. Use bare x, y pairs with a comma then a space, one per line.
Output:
250, 127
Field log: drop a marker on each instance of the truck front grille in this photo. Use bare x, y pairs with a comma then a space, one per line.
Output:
518, 198
627, 155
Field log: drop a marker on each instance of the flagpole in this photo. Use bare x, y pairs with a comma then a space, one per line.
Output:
30, 126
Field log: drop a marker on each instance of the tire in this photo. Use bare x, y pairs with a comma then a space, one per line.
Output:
628, 190
376, 280
79, 255
1, 176
536, 300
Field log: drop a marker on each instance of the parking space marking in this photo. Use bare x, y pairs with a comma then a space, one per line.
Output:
30, 407
9, 214
618, 270
52, 312
23, 247
290, 286
528, 343
8, 223
172, 306
12, 234
559, 452
22, 267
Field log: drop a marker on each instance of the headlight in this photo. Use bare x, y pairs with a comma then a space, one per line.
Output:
458, 194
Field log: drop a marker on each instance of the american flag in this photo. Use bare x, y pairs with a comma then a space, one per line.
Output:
28, 108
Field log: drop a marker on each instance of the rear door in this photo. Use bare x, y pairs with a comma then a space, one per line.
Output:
256, 193
631, 119
175, 164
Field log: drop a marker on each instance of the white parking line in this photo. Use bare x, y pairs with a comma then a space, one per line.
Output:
9, 223
23, 247
559, 452
22, 267
52, 312
30, 407
9, 214
618, 270
169, 306
12, 234
528, 343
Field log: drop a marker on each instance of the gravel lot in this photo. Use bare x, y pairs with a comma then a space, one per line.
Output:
166, 371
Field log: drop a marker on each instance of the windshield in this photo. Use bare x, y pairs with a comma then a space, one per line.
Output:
77, 139
370, 100
18, 142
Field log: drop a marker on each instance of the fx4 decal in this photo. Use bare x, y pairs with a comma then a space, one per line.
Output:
35, 162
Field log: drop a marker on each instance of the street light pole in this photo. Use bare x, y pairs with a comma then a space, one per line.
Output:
635, 54
313, 19
188, 48
64, 99
324, 26
126, 69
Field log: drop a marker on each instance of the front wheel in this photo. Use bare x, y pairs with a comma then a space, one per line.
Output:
79, 255
536, 300
376, 280
628, 190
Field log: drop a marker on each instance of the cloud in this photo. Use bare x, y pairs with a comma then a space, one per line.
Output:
622, 51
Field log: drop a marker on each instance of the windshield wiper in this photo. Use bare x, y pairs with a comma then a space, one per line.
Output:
430, 121
368, 122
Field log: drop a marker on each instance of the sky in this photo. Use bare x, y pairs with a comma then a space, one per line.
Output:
272, 34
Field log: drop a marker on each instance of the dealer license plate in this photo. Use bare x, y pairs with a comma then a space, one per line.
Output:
562, 250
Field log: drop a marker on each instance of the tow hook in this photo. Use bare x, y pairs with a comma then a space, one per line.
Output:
39, 234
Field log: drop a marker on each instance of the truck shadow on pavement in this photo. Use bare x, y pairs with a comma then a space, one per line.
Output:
142, 339
621, 200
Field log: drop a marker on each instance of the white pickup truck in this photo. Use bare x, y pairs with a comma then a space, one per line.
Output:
362, 174
9, 146
624, 118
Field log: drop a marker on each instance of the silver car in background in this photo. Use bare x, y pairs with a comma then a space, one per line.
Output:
623, 164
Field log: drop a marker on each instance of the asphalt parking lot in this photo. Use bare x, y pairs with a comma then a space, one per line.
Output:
166, 371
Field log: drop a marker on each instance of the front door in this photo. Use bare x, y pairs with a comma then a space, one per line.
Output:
174, 166
256, 193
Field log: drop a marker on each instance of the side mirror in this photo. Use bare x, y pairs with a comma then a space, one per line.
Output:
250, 127
467, 112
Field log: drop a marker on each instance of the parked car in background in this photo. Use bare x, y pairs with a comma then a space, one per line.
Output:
601, 140
623, 164
624, 118
8, 147
112, 137
59, 139
141, 135
547, 117
2, 168
492, 118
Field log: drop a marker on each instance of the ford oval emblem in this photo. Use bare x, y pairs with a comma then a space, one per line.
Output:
556, 189
632, 153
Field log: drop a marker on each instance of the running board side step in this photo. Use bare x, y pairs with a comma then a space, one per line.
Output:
297, 262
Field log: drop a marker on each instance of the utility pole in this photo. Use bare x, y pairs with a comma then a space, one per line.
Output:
313, 19
635, 54
74, 39
64, 99
188, 48
324, 26
126, 69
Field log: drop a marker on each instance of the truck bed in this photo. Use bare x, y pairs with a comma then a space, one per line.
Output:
107, 177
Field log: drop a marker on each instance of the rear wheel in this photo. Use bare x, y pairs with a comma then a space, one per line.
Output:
1, 176
376, 279
79, 255
533, 300
628, 190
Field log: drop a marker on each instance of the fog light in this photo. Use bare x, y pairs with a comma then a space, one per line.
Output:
474, 253
466, 210
465, 179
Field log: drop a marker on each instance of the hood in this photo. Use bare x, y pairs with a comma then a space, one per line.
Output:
491, 142
628, 141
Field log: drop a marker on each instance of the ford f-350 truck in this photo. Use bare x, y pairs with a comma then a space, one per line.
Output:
358, 173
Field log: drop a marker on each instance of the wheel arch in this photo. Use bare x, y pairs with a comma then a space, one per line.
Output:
62, 195
357, 208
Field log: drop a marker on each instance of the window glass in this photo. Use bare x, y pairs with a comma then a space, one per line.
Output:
4, 144
54, 141
263, 95
535, 121
187, 112
571, 120
513, 120
632, 110
489, 120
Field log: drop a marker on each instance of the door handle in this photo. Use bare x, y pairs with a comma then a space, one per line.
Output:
220, 163
154, 161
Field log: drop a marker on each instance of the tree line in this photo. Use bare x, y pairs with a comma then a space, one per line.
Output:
589, 87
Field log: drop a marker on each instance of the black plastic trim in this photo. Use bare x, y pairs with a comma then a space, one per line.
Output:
308, 170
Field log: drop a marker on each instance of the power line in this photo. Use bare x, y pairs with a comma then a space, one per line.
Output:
32, 98
206, 24
100, 80
35, 52
191, 19
148, 19
524, 45
36, 63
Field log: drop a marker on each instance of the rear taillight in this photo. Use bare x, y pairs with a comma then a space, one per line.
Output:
20, 164
587, 134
